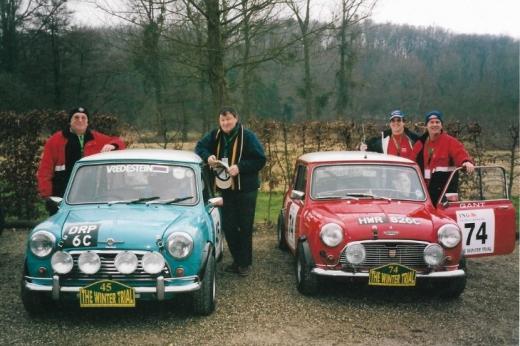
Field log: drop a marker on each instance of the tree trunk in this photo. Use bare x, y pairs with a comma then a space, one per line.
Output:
246, 70
216, 77
307, 80
8, 35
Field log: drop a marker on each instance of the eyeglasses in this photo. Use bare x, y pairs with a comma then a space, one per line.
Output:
398, 120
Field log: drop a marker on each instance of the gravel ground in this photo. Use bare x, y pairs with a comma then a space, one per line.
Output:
266, 309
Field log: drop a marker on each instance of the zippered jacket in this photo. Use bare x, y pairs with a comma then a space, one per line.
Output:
60, 153
380, 144
437, 159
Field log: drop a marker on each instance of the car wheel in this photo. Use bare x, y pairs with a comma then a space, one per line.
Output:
282, 245
204, 298
35, 303
306, 282
453, 288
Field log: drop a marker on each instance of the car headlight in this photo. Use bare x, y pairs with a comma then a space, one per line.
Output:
433, 254
355, 253
449, 236
153, 262
126, 262
180, 245
42, 243
62, 262
331, 234
89, 262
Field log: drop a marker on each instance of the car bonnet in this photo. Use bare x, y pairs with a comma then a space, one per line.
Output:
388, 221
119, 226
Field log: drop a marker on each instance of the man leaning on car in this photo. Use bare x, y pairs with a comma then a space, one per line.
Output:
64, 148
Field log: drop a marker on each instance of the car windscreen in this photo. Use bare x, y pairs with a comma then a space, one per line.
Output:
133, 183
365, 180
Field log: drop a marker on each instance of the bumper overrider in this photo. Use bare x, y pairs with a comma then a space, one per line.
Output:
162, 285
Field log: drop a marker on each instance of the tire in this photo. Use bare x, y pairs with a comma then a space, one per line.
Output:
280, 236
35, 303
204, 298
306, 282
221, 254
453, 288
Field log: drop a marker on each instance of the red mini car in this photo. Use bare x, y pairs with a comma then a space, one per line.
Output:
368, 216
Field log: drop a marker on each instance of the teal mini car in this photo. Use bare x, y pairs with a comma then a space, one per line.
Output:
133, 225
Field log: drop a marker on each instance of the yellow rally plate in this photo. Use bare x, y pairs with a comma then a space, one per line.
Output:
392, 274
107, 293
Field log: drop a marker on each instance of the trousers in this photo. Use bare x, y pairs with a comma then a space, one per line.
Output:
238, 214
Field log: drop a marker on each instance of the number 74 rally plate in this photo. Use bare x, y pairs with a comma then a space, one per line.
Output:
393, 274
107, 293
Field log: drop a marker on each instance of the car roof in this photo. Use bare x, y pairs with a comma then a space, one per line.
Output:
145, 155
342, 156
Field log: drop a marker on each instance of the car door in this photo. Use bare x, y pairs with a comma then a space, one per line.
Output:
207, 194
294, 206
483, 211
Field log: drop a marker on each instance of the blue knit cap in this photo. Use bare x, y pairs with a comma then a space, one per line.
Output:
433, 115
396, 114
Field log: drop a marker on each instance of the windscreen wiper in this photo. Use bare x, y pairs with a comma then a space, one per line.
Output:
134, 201
369, 195
349, 196
171, 201
177, 200
143, 199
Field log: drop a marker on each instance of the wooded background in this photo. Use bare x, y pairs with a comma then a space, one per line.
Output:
169, 65
302, 84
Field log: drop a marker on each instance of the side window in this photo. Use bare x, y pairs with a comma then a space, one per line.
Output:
486, 183
301, 178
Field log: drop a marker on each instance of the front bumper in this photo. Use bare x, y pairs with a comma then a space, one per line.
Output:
343, 274
162, 286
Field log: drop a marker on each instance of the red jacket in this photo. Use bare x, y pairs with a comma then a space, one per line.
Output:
61, 152
438, 159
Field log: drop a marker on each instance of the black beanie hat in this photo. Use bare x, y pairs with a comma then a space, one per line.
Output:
77, 110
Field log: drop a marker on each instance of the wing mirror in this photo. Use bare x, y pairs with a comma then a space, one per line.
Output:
448, 198
216, 202
452, 197
295, 194
56, 200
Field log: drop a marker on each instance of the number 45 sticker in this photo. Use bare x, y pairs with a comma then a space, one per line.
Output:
478, 231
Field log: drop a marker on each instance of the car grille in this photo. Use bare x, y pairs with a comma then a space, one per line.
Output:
108, 269
379, 253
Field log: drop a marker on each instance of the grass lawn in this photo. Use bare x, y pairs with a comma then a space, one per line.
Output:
265, 213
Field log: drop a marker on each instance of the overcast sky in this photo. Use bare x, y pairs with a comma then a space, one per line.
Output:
496, 17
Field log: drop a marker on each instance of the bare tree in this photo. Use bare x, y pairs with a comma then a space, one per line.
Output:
350, 14
53, 20
15, 15
256, 21
308, 30
302, 14
150, 16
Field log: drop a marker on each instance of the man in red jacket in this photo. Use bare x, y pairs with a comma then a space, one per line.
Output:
67, 146
438, 154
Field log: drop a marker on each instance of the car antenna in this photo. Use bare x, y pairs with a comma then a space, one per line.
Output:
363, 139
